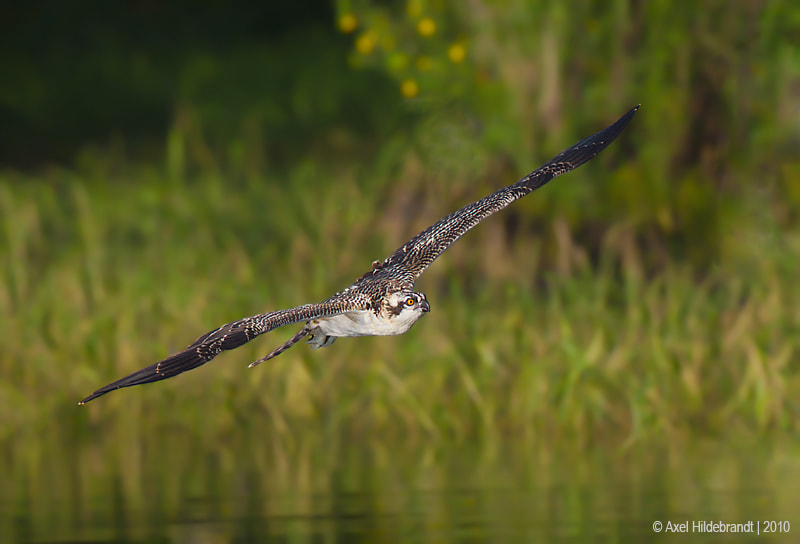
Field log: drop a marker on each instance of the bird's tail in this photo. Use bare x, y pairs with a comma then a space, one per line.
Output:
289, 343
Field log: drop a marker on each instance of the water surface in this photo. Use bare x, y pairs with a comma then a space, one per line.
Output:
172, 488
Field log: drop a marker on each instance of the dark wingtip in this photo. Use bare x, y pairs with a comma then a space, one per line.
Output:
627, 117
171, 366
145, 375
99, 393
615, 129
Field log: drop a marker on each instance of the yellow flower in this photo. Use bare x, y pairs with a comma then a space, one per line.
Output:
426, 27
409, 88
365, 43
456, 53
348, 23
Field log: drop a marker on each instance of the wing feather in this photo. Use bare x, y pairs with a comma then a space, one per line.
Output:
419, 252
231, 336
404, 266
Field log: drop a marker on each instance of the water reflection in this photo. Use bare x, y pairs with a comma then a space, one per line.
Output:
369, 493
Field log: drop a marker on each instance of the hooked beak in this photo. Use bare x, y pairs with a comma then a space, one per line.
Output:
424, 306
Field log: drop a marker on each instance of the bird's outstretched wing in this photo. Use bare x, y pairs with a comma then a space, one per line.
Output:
402, 268
419, 252
230, 336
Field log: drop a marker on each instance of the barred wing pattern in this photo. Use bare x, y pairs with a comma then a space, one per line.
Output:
419, 252
231, 336
373, 290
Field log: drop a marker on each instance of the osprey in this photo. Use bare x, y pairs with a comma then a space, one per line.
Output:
382, 302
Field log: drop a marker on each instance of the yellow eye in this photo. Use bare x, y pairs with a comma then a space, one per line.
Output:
410, 301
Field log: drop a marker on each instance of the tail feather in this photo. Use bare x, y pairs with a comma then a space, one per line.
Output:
286, 345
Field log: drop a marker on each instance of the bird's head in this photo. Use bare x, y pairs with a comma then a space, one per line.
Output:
407, 304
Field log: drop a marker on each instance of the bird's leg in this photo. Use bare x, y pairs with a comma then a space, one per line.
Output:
292, 341
319, 339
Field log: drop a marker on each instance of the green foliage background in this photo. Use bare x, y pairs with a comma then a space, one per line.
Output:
163, 172
653, 291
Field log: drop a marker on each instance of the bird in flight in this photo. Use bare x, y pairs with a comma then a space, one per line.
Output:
382, 302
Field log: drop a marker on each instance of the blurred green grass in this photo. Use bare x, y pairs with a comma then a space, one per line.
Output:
635, 309
108, 270
652, 292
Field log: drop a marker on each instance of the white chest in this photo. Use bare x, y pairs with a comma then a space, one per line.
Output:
366, 323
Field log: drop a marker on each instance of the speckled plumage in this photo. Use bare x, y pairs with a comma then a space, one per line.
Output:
380, 302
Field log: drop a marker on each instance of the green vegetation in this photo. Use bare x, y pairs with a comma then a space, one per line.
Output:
653, 291
103, 279
163, 173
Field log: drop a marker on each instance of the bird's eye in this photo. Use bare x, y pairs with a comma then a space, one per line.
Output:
410, 301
